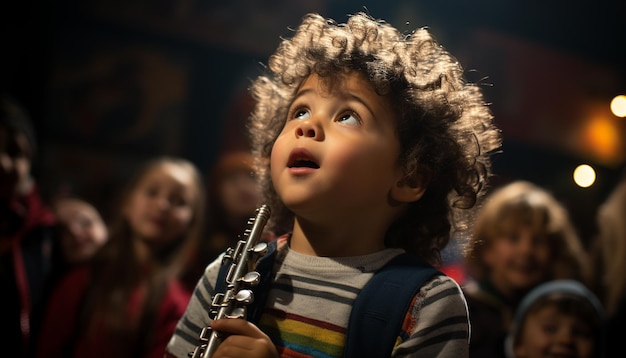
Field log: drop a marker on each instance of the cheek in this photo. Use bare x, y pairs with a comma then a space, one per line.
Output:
495, 253
362, 161
228, 191
23, 167
542, 255
278, 148
278, 158
99, 235
22, 170
533, 339
183, 218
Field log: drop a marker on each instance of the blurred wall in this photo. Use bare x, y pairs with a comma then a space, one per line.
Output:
112, 83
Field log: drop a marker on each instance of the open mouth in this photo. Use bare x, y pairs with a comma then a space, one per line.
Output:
301, 158
304, 163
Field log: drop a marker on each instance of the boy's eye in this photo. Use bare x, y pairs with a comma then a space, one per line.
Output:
349, 118
301, 114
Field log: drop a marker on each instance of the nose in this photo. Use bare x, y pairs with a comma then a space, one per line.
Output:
310, 128
525, 246
526, 242
565, 336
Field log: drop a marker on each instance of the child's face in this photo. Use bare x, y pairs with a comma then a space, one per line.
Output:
519, 261
337, 155
15, 154
550, 333
160, 208
83, 231
239, 193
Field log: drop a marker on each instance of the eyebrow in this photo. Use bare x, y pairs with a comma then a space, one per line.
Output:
301, 92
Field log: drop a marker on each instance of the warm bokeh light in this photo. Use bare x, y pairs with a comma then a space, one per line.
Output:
602, 137
584, 176
618, 106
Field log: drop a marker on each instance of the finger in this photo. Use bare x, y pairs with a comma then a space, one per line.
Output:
237, 326
237, 346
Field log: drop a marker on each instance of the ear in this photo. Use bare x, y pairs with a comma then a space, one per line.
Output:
407, 190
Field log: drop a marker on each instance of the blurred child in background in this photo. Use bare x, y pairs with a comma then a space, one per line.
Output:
559, 318
82, 231
609, 255
233, 195
27, 240
522, 237
128, 300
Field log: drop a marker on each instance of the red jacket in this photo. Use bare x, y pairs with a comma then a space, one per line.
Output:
27, 265
59, 337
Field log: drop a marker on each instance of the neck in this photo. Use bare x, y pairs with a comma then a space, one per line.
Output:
335, 241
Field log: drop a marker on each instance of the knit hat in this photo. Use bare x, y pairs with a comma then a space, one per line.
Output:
570, 288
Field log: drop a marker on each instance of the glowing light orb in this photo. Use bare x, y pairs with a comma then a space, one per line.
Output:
584, 176
618, 106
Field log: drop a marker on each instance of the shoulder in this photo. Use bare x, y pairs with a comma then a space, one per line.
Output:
439, 303
438, 300
442, 289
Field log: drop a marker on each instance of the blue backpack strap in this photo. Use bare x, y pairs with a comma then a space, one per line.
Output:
379, 309
264, 267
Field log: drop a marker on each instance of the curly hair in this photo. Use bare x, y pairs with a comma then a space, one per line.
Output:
522, 203
444, 127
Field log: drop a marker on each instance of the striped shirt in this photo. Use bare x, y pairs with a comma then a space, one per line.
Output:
309, 304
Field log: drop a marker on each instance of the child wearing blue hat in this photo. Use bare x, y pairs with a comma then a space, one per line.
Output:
557, 318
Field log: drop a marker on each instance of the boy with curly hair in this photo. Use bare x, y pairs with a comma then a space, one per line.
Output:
370, 144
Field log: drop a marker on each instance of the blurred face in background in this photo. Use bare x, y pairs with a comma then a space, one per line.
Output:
239, 193
518, 260
15, 163
161, 207
549, 332
83, 232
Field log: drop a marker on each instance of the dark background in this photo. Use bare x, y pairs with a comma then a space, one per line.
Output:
112, 83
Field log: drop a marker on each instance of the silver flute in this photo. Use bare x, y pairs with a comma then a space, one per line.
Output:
240, 278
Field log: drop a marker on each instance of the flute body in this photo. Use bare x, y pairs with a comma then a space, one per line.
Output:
240, 278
